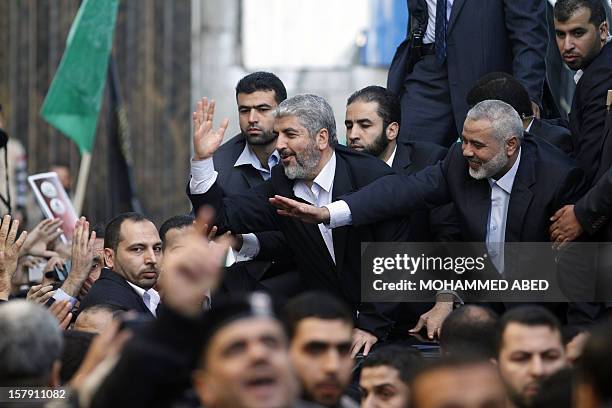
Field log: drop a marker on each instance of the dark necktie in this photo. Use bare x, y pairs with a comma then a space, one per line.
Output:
441, 27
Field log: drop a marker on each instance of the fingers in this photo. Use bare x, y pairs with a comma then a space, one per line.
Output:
358, 342
62, 311
212, 233
12, 232
418, 326
432, 331
4, 229
367, 346
558, 214
204, 217
21, 240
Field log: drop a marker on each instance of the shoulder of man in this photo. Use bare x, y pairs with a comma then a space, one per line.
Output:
229, 151
363, 167
425, 152
549, 159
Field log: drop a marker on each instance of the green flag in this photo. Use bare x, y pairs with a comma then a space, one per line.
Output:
73, 102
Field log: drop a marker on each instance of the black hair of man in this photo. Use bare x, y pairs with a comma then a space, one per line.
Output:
389, 108
406, 361
531, 316
176, 222
76, 345
470, 329
503, 87
99, 229
112, 233
593, 367
320, 305
564, 9
262, 81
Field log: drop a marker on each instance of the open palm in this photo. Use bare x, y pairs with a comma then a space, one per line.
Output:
206, 140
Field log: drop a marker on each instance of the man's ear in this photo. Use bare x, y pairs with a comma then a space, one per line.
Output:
603, 31
322, 139
392, 131
109, 258
512, 145
494, 361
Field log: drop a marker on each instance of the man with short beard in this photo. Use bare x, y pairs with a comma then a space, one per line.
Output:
243, 162
132, 253
530, 349
494, 162
314, 169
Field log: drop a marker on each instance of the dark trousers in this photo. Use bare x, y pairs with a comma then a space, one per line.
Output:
427, 112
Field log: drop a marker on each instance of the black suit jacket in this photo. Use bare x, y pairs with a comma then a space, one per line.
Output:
439, 224
545, 181
273, 247
556, 135
486, 36
112, 289
588, 114
251, 211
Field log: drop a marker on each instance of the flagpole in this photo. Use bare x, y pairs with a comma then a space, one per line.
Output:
79, 195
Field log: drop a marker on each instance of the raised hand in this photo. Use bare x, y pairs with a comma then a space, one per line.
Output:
40, 293
82, 257
206, 140
45, 232
9, 253
302, 211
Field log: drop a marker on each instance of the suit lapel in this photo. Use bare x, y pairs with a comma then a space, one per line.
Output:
521, 196
456, 9
402, 159
342, 185
283, 186
478, 193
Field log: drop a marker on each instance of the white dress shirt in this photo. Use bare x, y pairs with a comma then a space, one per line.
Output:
392, 157
430, 33
496, 224
150, 297
202, 173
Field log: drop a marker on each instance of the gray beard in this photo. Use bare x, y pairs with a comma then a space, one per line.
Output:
490, 168
306, 163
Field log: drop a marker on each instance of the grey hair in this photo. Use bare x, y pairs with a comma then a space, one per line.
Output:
30, 342
313, 112
505, 121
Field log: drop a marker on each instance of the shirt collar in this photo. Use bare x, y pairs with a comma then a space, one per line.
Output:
507, 180
530, 124
392, 157
152, 292
248, 157
325, 178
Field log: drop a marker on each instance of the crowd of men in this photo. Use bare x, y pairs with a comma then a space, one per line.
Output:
456, 149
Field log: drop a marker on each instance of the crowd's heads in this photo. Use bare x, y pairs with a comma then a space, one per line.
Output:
470, 329
320, 328
372, 120
257, 95
385, 377
132, 249
594, 382
581, 30
530, 348
492, 134
30, 345
504, 87
76, 345
306, 130
244, 362
458, 382
172, 228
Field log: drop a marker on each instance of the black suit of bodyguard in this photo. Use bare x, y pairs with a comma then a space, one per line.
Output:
251, 212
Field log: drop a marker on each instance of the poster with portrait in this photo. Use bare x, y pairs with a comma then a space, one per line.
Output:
54, 201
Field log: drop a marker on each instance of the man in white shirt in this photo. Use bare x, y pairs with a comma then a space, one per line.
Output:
132, 254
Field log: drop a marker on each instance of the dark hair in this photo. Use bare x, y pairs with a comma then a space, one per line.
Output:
503, 87
112, 233
528, 316
176, 222
593, 367
564, 9
388, 103
556, 390
262, 81
470, 329
99, 229
405, 360
321, 305
76, 345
